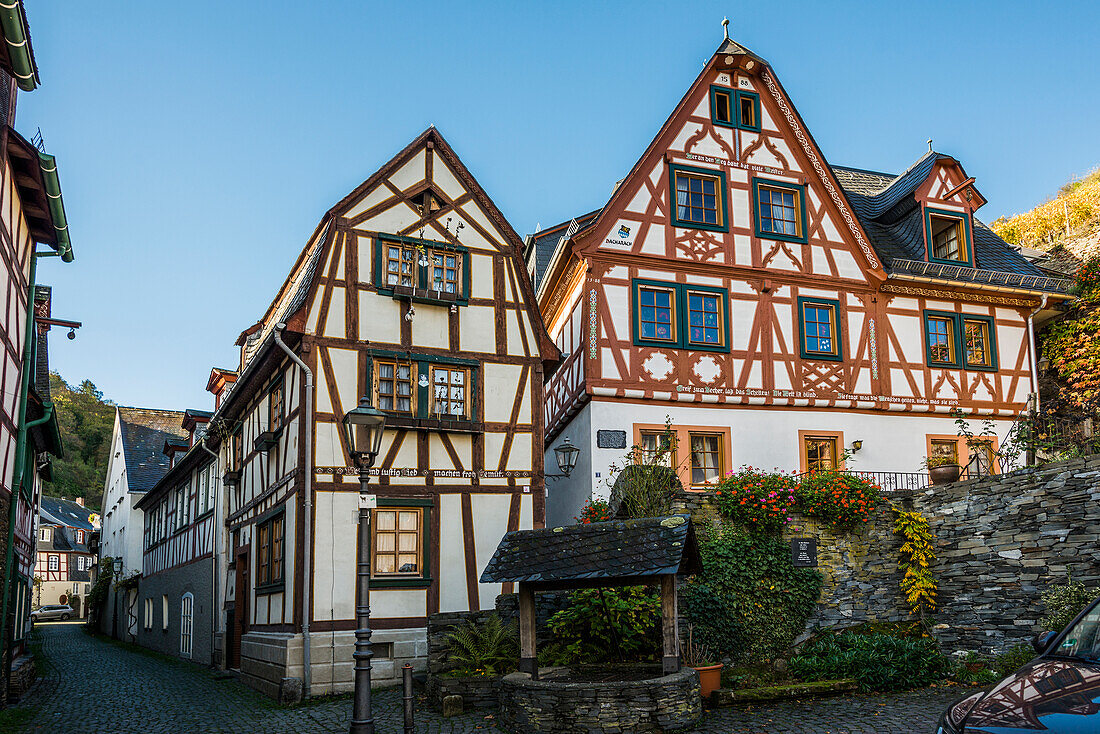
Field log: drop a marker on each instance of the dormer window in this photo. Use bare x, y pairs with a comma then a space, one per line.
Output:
948, 237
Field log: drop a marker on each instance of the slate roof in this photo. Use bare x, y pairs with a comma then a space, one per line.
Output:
546, 241
893, 220
619, 550
65, 517
144, 431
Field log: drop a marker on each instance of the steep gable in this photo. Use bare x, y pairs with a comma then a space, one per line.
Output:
144, 432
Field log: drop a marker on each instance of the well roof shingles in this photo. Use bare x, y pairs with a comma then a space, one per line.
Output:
620, 549
144, 432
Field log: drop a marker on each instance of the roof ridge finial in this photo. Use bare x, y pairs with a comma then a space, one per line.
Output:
726, 27
929, 145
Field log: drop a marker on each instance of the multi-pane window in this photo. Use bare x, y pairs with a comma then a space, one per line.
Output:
779, 211
275, 407
657, 313
982, 458
704, 318
821, 452
451, 392
270, 549
446, 269
976, 336
947, 238
398, 541
819, 329
187, 603
53, 563
658, 445
79, 536
394, 385
237, 447
945, 448
698, 199
941, 339
706, 458
203, 492
45, 534
400, 264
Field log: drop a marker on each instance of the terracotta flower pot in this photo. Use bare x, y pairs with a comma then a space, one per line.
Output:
945, 473
710, 679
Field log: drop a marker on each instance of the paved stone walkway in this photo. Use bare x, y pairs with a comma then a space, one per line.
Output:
93, 685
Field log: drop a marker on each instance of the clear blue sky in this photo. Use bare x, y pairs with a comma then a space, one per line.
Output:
199, 143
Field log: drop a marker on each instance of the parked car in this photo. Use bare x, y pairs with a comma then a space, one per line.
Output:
53, 611
1059, 691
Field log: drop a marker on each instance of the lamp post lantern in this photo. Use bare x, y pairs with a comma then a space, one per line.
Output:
363, 427
567, 457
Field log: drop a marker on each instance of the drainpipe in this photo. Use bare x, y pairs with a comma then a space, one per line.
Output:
215, 615
1031, 348
304, 434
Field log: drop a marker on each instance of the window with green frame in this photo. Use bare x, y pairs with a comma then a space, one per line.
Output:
680, 315
698, 198
436, 271
819, 329
779, 210
947, 234
424, 386
734, 108
960, 340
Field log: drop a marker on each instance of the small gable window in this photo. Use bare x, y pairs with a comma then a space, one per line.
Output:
820, 327
423, 270
734, 108
948, 237
780, 210
960, 340
700, 198
400, 264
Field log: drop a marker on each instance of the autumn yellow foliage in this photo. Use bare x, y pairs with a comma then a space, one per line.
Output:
1044, 224
917, 556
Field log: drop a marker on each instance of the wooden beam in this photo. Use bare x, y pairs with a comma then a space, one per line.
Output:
670, 625
528, 658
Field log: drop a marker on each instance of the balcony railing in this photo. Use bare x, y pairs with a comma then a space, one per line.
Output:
892, 481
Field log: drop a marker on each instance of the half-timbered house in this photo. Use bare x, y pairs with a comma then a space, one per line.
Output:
777, 310
411, 292
176, 600
62, 570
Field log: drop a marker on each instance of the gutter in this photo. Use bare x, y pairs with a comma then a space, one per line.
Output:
972, 284
216, 617
18, 43
305, 435
57, 206
1031, 349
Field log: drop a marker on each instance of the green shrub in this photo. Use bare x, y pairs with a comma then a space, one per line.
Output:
601, 625
488, 648
877, 662
1063, 603
1013, 659
749, 603
843, 501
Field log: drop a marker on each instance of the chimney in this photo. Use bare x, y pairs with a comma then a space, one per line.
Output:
80, 501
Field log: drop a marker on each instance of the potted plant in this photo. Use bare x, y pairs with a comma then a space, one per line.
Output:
698, 657
942, 469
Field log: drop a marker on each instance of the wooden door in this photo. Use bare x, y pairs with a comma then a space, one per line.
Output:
240, 610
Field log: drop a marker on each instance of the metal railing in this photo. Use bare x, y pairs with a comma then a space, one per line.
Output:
889, 481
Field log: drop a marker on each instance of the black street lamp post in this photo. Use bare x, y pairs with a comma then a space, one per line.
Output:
363, 426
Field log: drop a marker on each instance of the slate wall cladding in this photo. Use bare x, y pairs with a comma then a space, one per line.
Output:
667, 703
1000, 542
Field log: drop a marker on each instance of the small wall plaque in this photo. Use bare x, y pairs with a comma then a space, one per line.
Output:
804, 552
611, 439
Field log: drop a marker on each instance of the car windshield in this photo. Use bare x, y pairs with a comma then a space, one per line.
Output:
1082, 640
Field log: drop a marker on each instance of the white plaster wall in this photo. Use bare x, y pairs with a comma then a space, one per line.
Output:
760, 437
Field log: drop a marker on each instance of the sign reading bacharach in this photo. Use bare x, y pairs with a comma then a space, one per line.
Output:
434, 473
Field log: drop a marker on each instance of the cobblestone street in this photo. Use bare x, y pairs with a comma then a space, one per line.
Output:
91, 685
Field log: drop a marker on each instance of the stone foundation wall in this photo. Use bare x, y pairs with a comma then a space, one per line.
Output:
1000, 542
479, 692
667, 703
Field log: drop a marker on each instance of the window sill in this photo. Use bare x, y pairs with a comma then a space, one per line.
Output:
421, 295
433, 424
272, 588
386, 582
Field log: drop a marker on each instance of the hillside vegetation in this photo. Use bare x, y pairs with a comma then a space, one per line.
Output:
86, 421
1045, 226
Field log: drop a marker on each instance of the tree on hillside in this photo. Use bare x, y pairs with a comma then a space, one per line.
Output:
86, 421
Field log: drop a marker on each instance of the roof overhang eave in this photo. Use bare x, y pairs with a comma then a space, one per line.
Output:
1035, 293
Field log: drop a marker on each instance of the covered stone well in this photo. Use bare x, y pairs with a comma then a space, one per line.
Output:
616, 698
